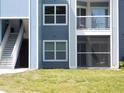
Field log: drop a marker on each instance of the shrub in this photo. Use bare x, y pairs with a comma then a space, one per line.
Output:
122, 64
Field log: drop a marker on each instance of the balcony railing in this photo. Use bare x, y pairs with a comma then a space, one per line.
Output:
93, 22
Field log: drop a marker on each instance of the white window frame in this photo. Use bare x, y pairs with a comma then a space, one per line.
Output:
55, 5
55, 60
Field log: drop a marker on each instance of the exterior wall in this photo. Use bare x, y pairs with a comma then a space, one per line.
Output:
115, 35
52, 33
121, 29
14, 8
33, 35
38, 32
72, 36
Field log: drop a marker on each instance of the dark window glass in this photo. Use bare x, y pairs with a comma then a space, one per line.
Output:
52, 54
60, 19
49, 10
49, 19
49, 55
60, 46
60, 55
49, 46
52, 18
60, 10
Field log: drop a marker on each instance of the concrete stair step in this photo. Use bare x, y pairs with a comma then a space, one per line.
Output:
6, 58
8, 47
6, 66
6, 63
6, 55
7, 51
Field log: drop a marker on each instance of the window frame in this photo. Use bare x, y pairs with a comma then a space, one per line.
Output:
55, 15
55, 51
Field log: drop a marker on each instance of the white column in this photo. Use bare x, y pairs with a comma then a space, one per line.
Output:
33, 35
72, 34
115, 35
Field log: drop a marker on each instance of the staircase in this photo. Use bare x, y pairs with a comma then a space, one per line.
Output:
6, 58
11, 50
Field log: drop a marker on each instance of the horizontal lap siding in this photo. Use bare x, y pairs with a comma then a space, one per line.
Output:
52, 33
121, 27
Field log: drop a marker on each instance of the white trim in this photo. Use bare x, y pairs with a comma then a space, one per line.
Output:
29, 31
111, 36
94, 52
76, 62
55, 41
93, 32
117, 34
69, 9
37, 35
55, 24
94, 16
111, 30
14, 17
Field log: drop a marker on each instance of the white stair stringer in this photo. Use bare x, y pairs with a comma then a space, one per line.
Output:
11, 50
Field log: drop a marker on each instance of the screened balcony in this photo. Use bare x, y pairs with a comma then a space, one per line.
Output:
93, 15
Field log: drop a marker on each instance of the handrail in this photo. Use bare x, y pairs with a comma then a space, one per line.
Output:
17, 45
5, 38
93, 22
94, 16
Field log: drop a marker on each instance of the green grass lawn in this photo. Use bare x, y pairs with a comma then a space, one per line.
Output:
64, 81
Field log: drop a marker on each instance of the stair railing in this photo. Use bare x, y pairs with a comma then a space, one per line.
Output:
4, 41
17, 46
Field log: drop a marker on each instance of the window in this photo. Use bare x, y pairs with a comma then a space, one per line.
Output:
55, 14
55, 50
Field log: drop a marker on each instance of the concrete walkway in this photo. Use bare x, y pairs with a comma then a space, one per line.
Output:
9, 71
3, 92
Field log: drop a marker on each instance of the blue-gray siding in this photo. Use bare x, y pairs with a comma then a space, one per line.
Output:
121, 28
52, 33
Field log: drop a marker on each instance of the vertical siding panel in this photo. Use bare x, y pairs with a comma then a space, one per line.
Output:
121, 28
